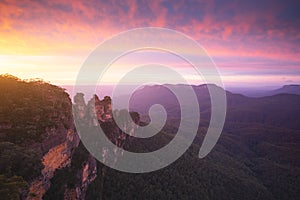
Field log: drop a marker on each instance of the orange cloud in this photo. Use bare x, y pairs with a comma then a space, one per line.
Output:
248, 29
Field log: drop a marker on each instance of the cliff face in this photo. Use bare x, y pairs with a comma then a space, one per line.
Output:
36, 125
59, 156
86, 175
68, 169
39, 143
59, 146
56, 147
92, 114
100, 112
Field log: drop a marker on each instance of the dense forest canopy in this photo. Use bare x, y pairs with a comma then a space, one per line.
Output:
28, 110
255, 159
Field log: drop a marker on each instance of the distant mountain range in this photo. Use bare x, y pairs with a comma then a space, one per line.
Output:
281, 110
261, 92
258, 147
287, 89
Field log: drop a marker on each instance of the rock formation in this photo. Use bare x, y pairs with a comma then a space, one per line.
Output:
57, 157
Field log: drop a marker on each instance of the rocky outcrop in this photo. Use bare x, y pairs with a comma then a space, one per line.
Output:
86, 175
58, 146
99, 112
59, 156
93, 112
35, 117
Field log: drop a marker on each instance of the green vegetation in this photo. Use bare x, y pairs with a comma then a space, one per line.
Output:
16, 160
28, 110
11, 188
250, 161
241, 166
257, 156
67, 177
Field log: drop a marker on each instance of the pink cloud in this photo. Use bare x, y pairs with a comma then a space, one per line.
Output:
231, 30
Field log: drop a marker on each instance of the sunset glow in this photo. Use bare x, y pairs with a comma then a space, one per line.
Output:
253, 43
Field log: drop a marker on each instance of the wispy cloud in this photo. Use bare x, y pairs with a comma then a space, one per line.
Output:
245, 36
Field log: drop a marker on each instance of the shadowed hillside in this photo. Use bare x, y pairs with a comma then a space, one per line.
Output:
36, 135
282, 110
256, 156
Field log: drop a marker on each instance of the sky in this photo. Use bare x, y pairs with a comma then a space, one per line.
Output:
254, 43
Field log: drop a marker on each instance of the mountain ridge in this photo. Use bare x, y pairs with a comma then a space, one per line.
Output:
256, 157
